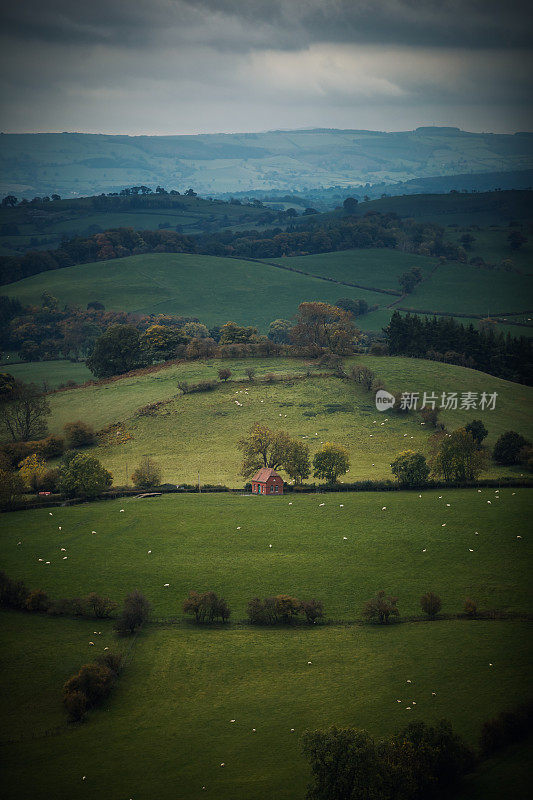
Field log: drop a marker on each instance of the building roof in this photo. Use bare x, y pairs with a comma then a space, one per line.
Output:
264, 474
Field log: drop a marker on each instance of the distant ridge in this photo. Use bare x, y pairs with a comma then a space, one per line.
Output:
74, 164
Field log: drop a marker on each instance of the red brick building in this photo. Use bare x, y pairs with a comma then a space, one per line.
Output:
267, 481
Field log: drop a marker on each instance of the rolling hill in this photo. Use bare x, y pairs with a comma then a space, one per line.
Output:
75, 163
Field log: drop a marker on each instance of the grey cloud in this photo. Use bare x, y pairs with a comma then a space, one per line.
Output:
277, 24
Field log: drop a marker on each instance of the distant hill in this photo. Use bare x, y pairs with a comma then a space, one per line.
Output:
79, 164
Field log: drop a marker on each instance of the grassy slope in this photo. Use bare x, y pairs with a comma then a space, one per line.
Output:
379, 267
166, 729
196, 544
53, 373
213, 289
200, 431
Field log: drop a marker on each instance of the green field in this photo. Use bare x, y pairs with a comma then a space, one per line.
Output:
222, 542
166, 729
199, 432
213, 289
49, 373
373, 267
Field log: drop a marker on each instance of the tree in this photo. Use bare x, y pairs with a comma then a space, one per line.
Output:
322, 326
410, 279
296, 461
101, 607
224, 374
93, 680
75, 704
231, 333
457, 457
410, 469
350, 205
79, 434
430, 604
161, 341
331, 462
263, 447
477, 430
38, 602
344, 764
9, 201
83, 476
147, 475
118, 350
32, 470
11, 487
313, 610
279, 331
250, 373
135, 613
507, 448
13, 594
381, 607
24, 411
206, 607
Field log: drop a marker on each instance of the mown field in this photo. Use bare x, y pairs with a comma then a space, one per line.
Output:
222, 542
166, 729
199, 432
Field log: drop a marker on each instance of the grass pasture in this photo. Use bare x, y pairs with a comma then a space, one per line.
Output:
199, 432
213, 289
165, 730
222, 542
51, 373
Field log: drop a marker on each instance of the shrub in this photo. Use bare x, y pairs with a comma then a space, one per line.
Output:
430, 416
250, 373
410, 468
147, 474
224, 374
381, 608
135, 613
183, 386
38, 602
51, 447
13, 594
507, 448
470, 607
112, 661
313, 610
430, 604
93, 680
79, 434
99, 607
363, 376
75, 703
206, 607
505, 729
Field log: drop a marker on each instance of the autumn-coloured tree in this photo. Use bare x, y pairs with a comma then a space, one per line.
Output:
323, 326
263, 447
32, 470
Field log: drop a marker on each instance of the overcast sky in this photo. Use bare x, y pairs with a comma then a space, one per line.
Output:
202, 66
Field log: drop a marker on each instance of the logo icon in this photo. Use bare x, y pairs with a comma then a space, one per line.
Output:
384, 400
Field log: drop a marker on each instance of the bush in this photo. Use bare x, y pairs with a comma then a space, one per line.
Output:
135, 613
75, 703
430, 416
363, 376
93, 680
38, 602
224, 374
51, 447
505, 729
430, 604
250, 373
13, 594
147, 474
99, 607
206, 607
507, 448
381, 608
410, 468
79, 434
112, 661
313, 610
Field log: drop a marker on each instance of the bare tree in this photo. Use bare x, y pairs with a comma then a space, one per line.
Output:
23, 412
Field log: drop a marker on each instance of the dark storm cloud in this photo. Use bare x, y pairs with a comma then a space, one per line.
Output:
184, 66
282, 24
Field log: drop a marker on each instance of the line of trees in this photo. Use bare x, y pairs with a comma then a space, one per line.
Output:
444, 339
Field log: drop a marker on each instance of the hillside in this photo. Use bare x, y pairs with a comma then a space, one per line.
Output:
75, 163
199, 432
